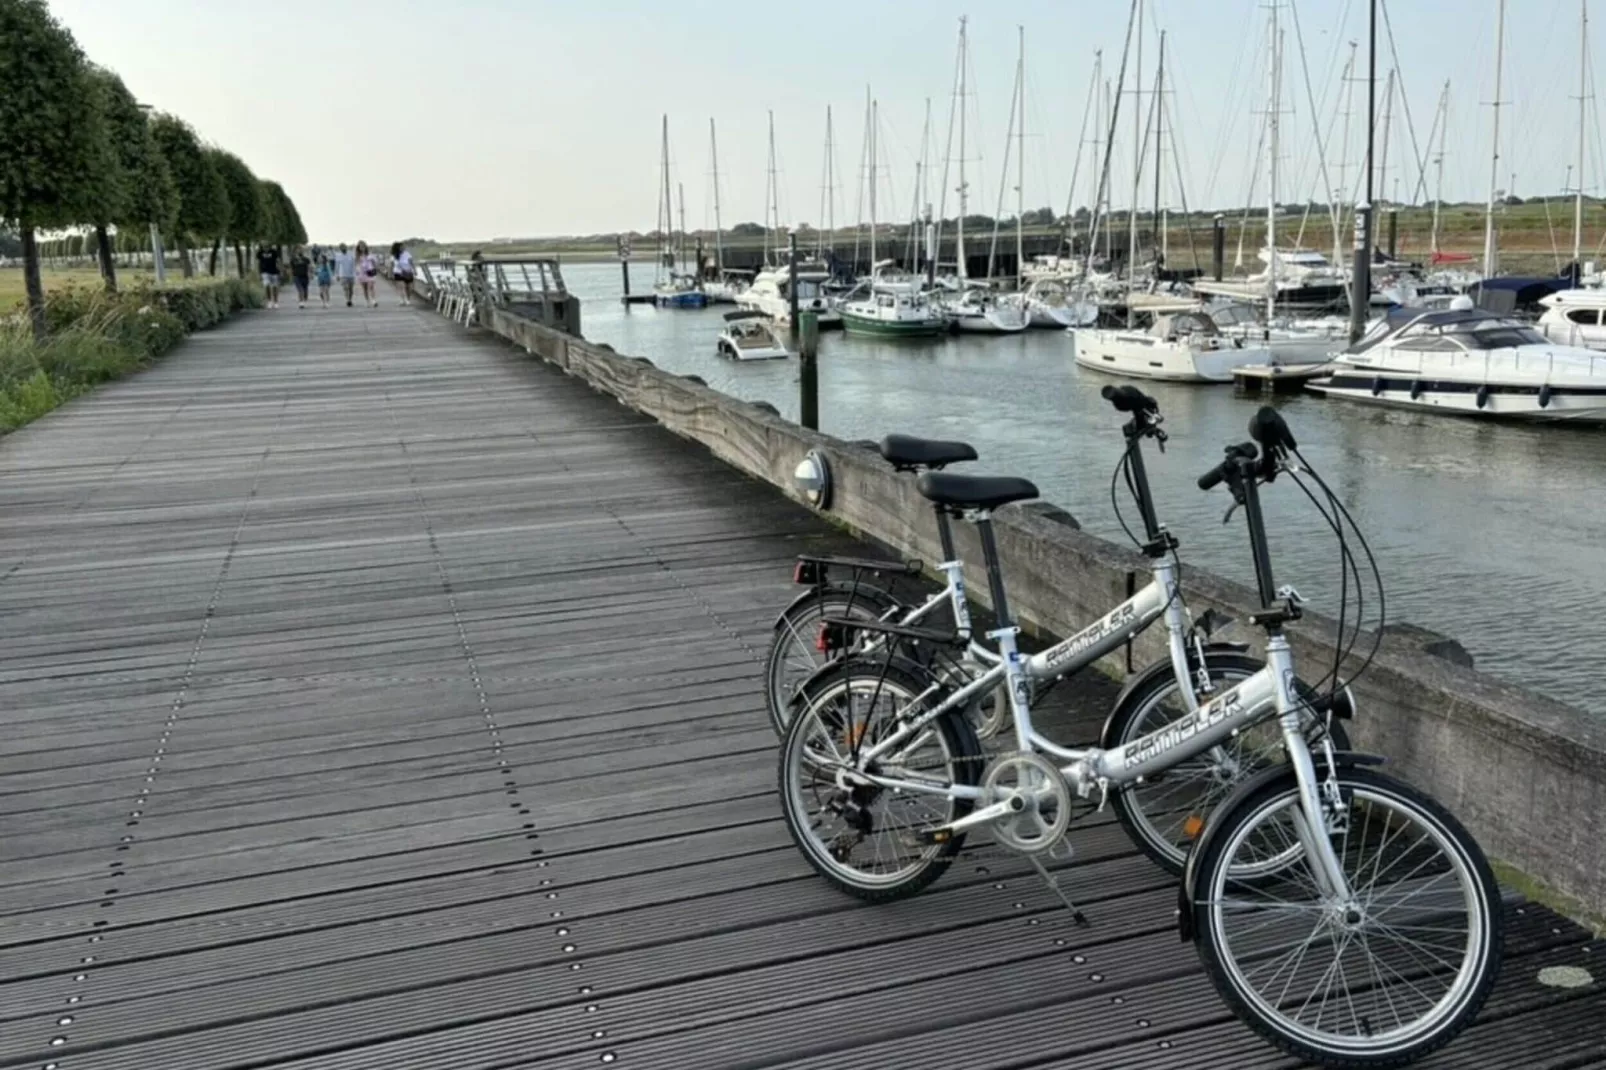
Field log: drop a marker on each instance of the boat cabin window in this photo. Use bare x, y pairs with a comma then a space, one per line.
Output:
884, 301
1501, 336
1588, 316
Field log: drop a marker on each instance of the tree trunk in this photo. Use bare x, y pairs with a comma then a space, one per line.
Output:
33, 283
217, 251
239, 258
108, 264
184, 255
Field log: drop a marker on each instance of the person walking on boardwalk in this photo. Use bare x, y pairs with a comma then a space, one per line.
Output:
402, 270
346, 271
268, 265
301, 274
367, 273
326, 278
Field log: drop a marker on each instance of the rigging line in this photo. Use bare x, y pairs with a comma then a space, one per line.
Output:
1081, 137
1405, 106
947, 159
1003, 178
1321, 149
1182, 191
1115, 114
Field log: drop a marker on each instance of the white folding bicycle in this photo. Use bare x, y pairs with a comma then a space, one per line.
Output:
1345, 916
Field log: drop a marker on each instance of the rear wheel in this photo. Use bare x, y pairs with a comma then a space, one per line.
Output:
794, 653
1165, 813
862, 838
1393, 970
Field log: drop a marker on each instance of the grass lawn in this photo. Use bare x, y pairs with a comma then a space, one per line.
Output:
12, 293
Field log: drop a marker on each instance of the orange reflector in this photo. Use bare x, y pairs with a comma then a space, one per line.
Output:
1193, 826
853, 735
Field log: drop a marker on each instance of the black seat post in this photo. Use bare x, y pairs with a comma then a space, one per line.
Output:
945, 533
1140, 482
995, 577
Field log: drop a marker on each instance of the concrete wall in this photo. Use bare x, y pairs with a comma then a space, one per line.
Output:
1527, 774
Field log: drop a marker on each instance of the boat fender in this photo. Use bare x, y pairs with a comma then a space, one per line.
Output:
1483, 395
1377, 386
1416, 389
1544, 396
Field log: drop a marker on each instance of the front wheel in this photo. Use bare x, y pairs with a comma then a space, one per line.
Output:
1165, 813
1393, 968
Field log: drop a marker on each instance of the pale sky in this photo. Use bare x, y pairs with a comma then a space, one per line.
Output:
472, 119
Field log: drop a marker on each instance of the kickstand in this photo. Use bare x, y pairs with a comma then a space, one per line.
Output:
1054, 883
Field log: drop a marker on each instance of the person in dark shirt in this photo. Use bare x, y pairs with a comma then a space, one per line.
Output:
268, 265
301, 272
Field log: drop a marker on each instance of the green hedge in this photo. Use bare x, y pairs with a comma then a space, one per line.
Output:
96, 336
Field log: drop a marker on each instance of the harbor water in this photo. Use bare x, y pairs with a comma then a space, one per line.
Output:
1488, 533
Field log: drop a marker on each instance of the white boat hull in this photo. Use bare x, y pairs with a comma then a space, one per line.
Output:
780, 310
1141, 356
1002, 319
722, 292
1463, 401
1075, 314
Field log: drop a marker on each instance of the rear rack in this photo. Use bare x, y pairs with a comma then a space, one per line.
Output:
814, 568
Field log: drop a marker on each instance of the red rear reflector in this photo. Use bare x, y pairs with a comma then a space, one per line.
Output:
820, 643
797, 573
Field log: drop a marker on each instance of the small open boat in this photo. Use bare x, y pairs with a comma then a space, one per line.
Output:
750, 335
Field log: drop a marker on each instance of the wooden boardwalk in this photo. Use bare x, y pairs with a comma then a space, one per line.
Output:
376, 697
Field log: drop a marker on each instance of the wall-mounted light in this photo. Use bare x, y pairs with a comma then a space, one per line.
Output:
812, 477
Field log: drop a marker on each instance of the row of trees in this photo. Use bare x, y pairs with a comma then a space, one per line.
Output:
81, 153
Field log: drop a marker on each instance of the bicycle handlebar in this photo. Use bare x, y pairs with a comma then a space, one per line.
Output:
1129, 399
1244, 451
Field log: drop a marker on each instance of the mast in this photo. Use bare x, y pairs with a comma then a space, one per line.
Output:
864, 157
828, 191
1003, 171
1137, 167
1494, 161
1020, 167
719, 245
1083, 143
772, 198
921, 167
1583, 69
681, 259
1159, 147
666, 218
873, 122
959, 239
1341, 194
1438, 161
1273, 62
1360, 293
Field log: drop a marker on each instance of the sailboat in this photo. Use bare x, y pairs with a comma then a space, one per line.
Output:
893, 303
725, 283
771, 290
973, 309
677, 289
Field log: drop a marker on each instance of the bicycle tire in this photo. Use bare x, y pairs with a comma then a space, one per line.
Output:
963, 759
1126, 722
795, 631
1373, 1050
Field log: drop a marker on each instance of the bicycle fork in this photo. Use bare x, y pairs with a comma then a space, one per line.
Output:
1313, 820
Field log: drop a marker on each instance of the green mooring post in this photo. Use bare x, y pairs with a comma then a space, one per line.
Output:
808, 369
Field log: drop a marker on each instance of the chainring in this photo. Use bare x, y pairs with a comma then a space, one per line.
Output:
1045, 813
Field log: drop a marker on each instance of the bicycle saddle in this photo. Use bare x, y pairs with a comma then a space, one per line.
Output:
906, 452
974, 492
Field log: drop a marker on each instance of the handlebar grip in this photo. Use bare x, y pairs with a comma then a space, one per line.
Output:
1244, 451
1129, 399
1212, 478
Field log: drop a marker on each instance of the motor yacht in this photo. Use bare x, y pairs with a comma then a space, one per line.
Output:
1470, 362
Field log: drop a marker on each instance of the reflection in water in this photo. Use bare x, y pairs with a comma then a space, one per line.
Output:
1487, 533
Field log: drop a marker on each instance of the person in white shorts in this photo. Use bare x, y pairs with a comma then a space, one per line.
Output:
268, 265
